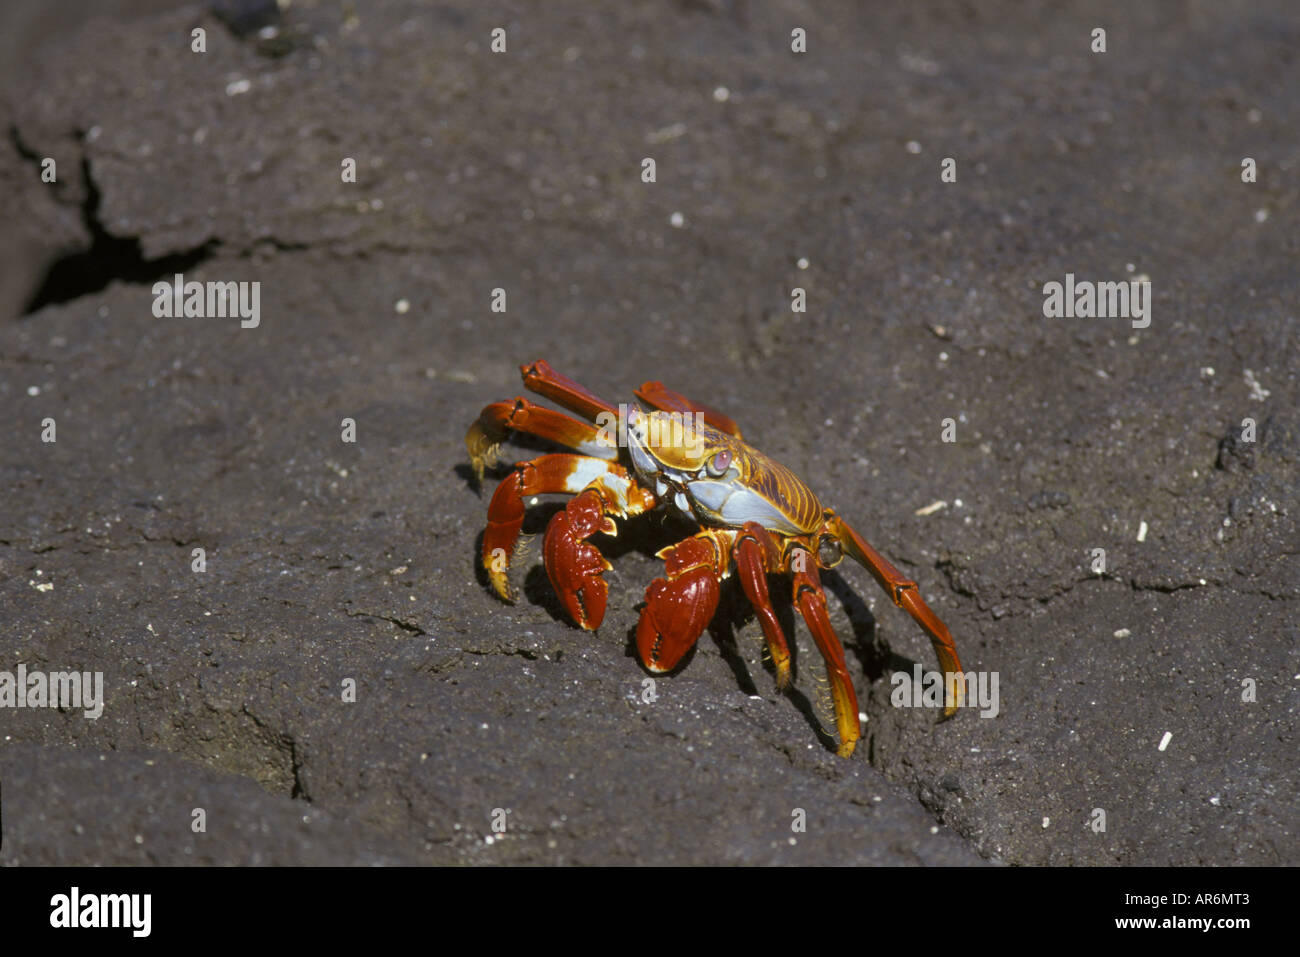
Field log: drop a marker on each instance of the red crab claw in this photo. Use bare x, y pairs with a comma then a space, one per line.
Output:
678, 608
573, 564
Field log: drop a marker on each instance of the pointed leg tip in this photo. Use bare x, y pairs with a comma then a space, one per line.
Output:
846, 748
501, 585
956, 697
951, 708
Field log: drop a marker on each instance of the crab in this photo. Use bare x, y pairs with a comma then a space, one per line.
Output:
754, 514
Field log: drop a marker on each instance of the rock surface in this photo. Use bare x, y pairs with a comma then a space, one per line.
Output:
332, 564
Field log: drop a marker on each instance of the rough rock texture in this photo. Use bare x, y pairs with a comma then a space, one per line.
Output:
330, 562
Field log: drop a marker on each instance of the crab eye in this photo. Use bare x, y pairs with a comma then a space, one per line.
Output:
720, 463
829, 552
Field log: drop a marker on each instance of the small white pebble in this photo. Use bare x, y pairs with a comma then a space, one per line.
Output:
803, 262
913, 146
931, 508
1123, 633
721, 94
677, 220
1261, 215
934, 829
238, 86
33, 390
402, 307
1164, 742
1047, 822
1216, 800
1257, 391
1142, 532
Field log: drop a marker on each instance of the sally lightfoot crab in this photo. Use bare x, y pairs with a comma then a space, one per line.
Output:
753, 513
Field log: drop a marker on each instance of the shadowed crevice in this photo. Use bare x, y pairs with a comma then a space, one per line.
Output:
107, 259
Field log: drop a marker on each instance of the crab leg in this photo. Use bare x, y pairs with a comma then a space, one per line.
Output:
559, 472
756, 553
679, 606
545, 381
498, 420
907, 596
810, 598
666, 400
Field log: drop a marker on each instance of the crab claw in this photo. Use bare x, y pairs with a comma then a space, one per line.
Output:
574, 565
678, 608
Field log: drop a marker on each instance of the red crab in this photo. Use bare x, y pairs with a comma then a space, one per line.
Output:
752, 512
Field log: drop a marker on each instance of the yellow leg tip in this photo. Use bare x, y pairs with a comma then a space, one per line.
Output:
500, 585
782, 675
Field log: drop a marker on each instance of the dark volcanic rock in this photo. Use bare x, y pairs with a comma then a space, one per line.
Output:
333, 683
